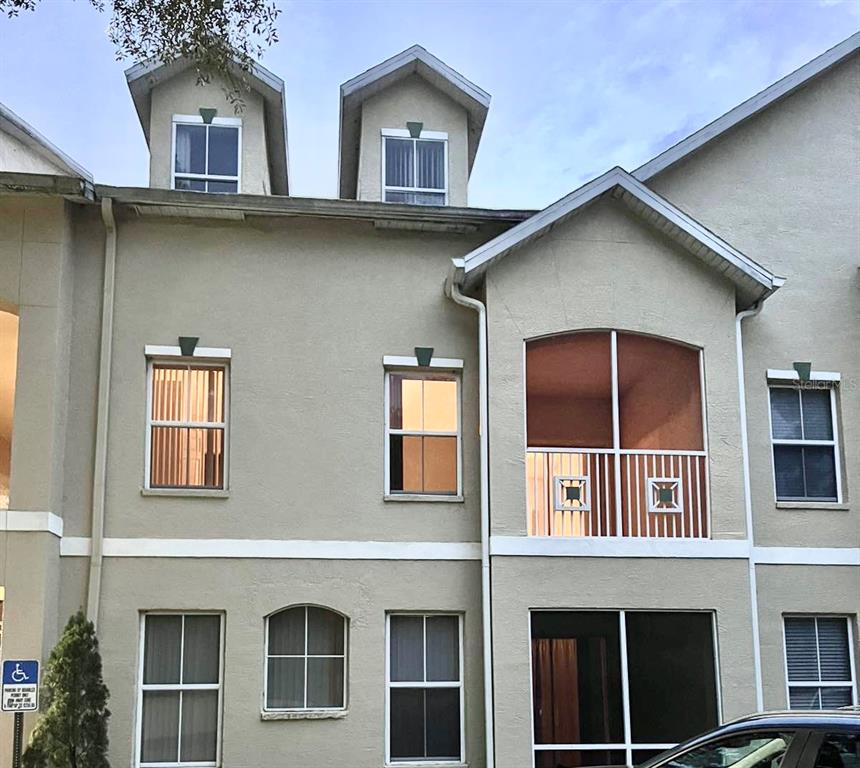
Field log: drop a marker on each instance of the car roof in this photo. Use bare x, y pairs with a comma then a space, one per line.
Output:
797, 719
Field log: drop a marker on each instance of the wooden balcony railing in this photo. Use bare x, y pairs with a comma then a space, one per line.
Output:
606, 492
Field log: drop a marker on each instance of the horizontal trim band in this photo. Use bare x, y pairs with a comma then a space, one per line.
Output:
806, 555
604, 546
24, 521
301, 549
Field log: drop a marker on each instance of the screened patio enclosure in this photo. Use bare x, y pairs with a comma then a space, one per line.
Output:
616, 437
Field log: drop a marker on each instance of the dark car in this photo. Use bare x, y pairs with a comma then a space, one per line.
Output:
773, 740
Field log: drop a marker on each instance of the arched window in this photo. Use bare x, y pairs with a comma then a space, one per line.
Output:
305, 659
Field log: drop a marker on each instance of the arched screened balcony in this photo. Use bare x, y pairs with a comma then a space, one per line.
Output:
615, 435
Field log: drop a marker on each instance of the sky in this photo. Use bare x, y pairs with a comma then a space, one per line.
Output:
577, 86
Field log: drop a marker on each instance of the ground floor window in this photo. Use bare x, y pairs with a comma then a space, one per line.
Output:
424, 688
179, 702
819, 662
615, 687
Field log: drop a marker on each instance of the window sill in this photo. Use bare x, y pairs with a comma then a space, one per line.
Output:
203, 493
422, 497
425, 764
813, 505
308, 714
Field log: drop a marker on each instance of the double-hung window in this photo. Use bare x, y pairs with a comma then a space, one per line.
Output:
423, 433
805, 444
415, 170
206, 155
179, 691
819, 662
186, 424
424, 689
305, 660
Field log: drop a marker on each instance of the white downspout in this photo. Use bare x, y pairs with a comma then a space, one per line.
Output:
453, 292
103, 408
745, 454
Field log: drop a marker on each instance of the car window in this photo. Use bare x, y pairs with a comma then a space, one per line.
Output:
747, 750
839, 750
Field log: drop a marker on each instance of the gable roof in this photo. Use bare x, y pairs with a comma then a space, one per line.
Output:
143, 77
414, 60
753, 282
16, 127
779, 90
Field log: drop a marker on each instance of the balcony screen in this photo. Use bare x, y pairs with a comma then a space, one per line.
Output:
659, 393
569, 391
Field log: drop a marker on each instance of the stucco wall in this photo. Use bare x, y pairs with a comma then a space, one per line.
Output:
181, 95
309, 309
784, 189
606, 269
413, 100
17, 157
587, 583
793, 589
247, 591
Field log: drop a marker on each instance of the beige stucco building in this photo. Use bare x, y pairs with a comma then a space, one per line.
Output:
389, 480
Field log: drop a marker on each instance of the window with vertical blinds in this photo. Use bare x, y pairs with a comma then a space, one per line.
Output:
415, 170
819, 663
804, 444
187, 424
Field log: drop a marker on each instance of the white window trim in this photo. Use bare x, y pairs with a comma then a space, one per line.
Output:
310, 711
852, 683
400, 133
227, 122
628, 745
389, 684
776, 383
440, 367
179, 687
209, 362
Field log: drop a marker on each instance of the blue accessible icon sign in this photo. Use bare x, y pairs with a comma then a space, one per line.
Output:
20, 685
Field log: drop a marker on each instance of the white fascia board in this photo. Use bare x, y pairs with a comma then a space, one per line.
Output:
34, 522
749, 108
774, 374
219, 353
405, 361
295, 549
415, 53
616, 177
610, 546
30, 137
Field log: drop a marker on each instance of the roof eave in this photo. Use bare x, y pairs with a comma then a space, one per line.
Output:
749, 277
751, 107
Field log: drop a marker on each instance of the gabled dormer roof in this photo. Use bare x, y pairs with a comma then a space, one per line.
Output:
143, 77
753, 282
751, 107
414, 60
16, 127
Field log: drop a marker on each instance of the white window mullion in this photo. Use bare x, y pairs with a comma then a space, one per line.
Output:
306, 659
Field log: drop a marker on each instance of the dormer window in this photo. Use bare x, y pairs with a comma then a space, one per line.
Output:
206, 155
415, 170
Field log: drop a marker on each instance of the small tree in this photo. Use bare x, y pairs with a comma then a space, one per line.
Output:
72, 732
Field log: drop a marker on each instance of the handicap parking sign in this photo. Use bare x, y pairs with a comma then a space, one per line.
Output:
20, 685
